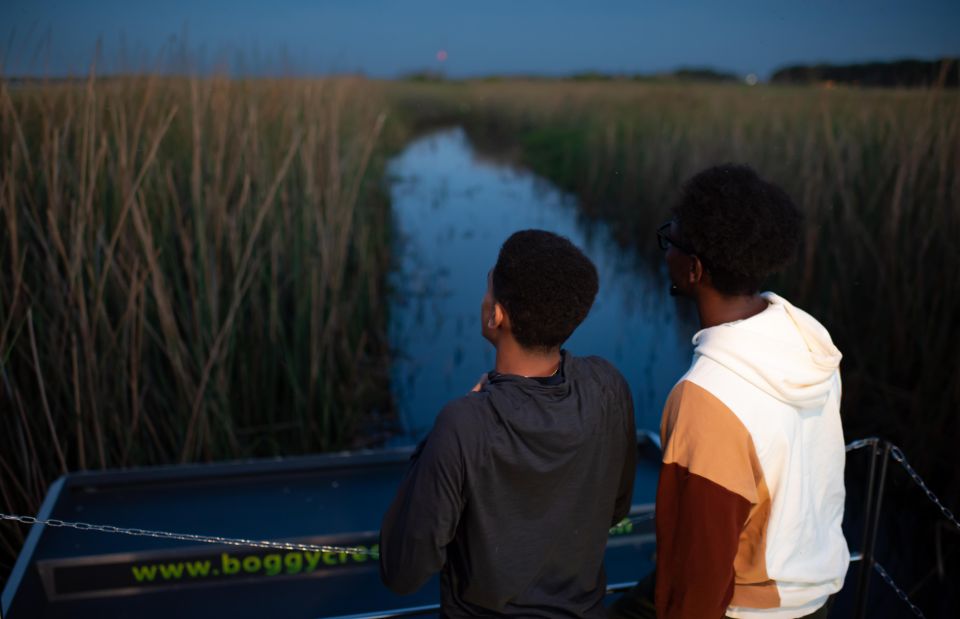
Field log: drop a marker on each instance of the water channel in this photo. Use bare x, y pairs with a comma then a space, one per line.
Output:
452, 210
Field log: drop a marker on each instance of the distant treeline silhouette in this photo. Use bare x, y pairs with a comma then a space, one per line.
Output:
683, 74
943, 72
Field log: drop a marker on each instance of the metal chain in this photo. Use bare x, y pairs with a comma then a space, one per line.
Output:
895, 452
900, 592
643, 517
897, 455
860, 443
215, 539
188, 537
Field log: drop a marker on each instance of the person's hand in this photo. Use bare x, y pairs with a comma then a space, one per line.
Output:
480, 383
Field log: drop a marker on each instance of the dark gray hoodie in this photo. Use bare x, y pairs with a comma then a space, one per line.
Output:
512, 494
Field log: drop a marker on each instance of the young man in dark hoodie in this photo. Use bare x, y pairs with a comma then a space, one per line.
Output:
512, 493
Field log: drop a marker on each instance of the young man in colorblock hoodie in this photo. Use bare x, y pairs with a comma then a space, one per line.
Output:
751, 494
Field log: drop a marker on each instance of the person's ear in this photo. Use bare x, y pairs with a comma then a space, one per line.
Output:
497, 316
696, 270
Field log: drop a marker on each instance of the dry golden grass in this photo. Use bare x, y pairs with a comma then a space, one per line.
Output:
877, 173
192, 270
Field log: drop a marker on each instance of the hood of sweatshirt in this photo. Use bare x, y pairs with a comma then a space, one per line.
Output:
547, 423
796, 370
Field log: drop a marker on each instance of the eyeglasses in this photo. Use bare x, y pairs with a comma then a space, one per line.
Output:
665, 241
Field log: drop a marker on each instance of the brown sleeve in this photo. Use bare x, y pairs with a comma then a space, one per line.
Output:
698, 531
708, 485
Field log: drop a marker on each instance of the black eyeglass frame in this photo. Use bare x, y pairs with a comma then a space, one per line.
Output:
665, 241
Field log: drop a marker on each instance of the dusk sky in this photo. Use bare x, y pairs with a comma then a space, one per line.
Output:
554, 37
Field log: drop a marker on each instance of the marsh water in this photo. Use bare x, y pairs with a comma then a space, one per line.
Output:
452, 210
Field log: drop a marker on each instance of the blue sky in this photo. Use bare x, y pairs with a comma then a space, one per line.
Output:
389, 38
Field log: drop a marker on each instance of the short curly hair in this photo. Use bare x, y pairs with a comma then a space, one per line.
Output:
546, 285
742, 227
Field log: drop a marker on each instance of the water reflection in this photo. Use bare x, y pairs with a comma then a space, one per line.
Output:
452, 211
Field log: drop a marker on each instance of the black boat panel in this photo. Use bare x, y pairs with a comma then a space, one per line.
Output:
329, 499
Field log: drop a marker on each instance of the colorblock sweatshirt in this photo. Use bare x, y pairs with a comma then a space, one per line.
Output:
751, 494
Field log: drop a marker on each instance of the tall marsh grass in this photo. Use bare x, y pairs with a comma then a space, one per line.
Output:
877, 173
192, 269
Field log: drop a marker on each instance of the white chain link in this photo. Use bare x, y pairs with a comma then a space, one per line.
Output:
189, 537
895, 452
215, 539
897, 455
861, 442
641, 517
900, 592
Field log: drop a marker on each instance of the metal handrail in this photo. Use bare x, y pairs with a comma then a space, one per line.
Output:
880, 452
413, 611
428, 609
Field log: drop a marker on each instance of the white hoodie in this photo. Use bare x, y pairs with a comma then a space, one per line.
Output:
756, 418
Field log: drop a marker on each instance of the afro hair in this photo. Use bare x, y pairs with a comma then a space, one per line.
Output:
546, 285
741, 226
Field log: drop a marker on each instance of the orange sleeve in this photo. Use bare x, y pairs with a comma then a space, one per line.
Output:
708, 485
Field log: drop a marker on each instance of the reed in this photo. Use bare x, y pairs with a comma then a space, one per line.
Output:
193, 269
877, 173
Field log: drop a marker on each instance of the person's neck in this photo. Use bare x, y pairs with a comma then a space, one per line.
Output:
514, 359
715, 308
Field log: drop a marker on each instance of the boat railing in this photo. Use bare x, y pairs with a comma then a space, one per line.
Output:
881, 452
